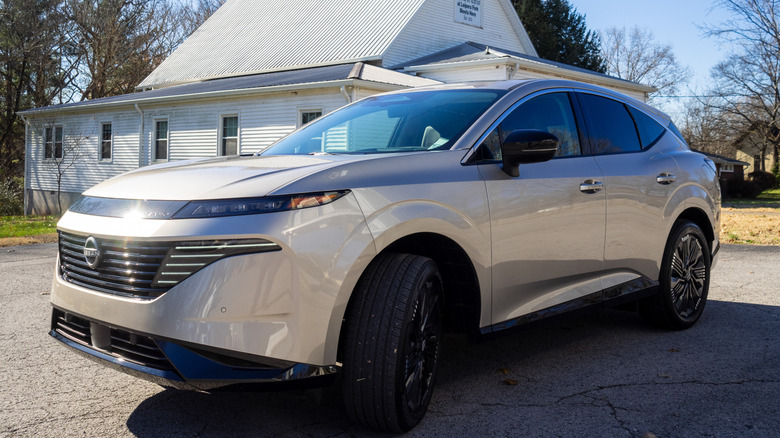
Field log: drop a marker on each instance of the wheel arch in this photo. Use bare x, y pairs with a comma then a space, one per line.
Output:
462, 297
701, 219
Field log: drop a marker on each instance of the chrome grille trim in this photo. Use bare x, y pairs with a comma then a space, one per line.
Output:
146, 269
118, 272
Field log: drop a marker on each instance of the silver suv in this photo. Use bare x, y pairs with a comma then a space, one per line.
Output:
351, 245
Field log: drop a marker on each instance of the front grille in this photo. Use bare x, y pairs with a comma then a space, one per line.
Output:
145, 269
131, 347
125, 268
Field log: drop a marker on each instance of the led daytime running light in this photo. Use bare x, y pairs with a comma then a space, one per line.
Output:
244, 206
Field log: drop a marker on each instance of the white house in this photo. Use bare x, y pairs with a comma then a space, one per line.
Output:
255, 71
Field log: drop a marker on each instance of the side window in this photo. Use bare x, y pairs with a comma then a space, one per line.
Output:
161, 140
229, 144
48, 142
549, 112
649, 130
610, 126
105, 141
309, 115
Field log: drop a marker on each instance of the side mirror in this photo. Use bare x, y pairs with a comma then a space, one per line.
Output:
527, 146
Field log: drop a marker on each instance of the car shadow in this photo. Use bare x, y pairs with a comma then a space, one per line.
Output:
541, 367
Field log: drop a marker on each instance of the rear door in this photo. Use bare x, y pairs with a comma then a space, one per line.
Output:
639, 179
547, 225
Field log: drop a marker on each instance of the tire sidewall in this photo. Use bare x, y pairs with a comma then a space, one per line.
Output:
407, 417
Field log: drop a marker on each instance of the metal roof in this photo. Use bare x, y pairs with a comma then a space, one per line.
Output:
471, 52
244, 37
333, 75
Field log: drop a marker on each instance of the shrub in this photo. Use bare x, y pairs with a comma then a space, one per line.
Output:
744, 189
764, 180
11, 197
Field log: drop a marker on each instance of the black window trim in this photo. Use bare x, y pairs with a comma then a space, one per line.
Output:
473, 156
628, 107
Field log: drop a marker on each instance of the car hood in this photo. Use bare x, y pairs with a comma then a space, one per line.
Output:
216, 178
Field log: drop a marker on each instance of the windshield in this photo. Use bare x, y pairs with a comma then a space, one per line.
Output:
408, 122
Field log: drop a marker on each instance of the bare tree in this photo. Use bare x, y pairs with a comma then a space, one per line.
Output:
636, 56
747, 83
708, 130
62, 151
32, 46
121, 41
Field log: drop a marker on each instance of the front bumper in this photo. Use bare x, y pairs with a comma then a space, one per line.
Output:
170, 363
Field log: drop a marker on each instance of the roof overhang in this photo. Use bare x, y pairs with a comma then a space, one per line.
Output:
157, 86
243, 92
525, 64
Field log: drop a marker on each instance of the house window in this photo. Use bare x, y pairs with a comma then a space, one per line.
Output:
757, 162
229, 135
53, 142
161, 140
309, 115
105, 141
726, 168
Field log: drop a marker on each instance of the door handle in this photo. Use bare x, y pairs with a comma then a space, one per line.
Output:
591, 186
665, 178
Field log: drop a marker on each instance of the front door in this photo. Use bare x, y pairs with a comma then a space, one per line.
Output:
548, 224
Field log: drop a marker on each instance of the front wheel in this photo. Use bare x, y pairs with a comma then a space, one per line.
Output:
392, 341
684, 280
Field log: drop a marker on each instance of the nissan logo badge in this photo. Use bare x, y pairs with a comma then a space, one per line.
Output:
92, 252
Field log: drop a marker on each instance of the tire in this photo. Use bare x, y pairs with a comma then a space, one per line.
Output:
392, 342
684, 281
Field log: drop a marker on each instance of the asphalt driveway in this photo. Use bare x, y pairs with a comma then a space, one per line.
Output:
596, 374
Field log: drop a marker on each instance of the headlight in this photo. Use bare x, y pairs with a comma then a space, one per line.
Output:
242, 206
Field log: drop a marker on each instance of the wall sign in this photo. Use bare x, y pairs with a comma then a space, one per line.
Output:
468, 12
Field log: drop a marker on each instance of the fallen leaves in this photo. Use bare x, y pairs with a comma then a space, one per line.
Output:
751, 226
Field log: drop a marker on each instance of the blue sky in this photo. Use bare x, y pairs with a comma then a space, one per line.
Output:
671, 22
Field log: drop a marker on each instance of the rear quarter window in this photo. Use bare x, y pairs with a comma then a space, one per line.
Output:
649, 130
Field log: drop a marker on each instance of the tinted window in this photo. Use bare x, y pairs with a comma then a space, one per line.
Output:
649, 130
677, 132
550, 112
610, 126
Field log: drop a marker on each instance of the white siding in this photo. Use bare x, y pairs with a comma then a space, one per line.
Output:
82, 133
193, 133
462, 74
194, 126
433, 28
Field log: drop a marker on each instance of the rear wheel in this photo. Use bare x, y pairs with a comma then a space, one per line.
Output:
392, 341
684, 280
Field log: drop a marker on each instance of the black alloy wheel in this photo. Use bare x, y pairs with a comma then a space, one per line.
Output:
684, 280
422, 346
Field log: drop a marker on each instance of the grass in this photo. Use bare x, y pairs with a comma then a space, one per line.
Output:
768, 198
21, 226
752, 221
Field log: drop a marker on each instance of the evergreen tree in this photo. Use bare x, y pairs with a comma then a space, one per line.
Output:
559, 33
